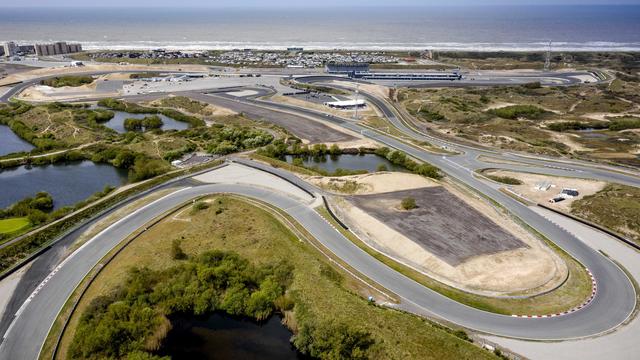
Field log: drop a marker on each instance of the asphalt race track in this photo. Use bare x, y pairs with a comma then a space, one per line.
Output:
612, 305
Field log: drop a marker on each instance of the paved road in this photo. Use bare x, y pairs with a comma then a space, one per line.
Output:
616, 287
28, 331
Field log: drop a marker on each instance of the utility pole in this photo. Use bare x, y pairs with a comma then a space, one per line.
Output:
357, 92
547, 58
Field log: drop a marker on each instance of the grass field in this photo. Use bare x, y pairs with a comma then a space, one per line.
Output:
318, 289
8, 226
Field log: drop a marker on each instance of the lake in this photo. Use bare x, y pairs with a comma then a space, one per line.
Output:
330, 163
220, 336
11, 143
68, 183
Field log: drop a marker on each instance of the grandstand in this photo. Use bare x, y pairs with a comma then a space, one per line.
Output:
442, 75
346, 67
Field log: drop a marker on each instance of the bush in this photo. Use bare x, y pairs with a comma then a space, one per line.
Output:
505, 179
333, 341
576, 125
176, 250
624, 123
200, 205
518, 111
144, 168
69, 80
122, 323
408, 203
381, 167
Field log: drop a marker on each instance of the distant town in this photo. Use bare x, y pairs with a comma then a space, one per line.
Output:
10, 49
292, 57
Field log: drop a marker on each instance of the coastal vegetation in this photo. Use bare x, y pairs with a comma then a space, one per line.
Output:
518, 111
504, 179
65, 133
316, 300
585, 122
144, 75
615, 207
614, 124
135, 316
67, 80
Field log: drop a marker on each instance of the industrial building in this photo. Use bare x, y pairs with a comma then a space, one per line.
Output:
58, 48
346, 67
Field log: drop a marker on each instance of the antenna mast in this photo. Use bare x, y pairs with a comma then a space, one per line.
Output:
547, 58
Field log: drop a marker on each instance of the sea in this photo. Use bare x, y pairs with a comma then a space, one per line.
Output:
472, 28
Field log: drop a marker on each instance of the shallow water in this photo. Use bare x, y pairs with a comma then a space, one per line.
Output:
68, 183
11, 143
220, 336
369, 162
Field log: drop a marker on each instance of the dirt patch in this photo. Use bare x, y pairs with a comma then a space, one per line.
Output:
304, 128
527, 189
442, 224
376, 183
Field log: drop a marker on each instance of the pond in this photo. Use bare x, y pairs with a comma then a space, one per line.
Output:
68, 183
220, 336
369, 162
117, 122
11, 143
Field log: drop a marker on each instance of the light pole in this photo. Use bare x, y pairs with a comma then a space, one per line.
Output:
357, 92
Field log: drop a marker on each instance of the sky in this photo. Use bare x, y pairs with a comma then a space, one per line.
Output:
300, 3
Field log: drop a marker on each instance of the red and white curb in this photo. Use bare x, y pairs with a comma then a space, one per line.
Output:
594, 290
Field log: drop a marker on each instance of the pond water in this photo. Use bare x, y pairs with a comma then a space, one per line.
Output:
117, 122
11, 143
220, 336
68, 183
591, 134
369, 162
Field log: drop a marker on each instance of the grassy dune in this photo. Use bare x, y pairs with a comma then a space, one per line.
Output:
320, 292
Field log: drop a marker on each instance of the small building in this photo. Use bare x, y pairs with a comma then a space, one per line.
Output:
346, 104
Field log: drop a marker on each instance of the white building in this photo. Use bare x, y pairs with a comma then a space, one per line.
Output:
10, 49
346, 104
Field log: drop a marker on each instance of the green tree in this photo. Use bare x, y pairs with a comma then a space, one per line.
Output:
408, 203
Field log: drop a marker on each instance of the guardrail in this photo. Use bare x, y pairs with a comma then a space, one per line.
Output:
274, 173
326, 205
